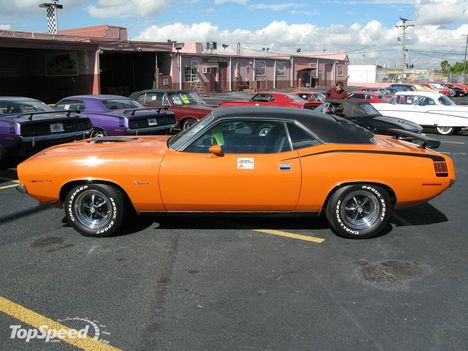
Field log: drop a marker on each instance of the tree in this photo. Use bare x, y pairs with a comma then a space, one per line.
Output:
445, 66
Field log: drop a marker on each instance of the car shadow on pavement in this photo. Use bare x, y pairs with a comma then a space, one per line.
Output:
418, 215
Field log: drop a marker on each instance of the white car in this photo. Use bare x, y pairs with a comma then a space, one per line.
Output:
428, 110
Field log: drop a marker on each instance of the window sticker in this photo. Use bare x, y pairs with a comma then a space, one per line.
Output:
66, 107
185, 99
245, 163
153, 97
176, 100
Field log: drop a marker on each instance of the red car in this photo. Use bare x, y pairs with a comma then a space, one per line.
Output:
314, 97
368, 97
188, 107
272, 99
380, 91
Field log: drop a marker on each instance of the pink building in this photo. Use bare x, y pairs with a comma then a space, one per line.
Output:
101, 59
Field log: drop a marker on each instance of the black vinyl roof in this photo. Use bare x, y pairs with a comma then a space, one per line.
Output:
329, 128
355, 108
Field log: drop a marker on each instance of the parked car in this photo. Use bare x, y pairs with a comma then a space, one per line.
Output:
395, 89
380, 91
314, 97
368, 97
242, 159
27, 125
364, 114
272, 99
119, 115
188, 106
439, 88
411, 87
457, 90
428, 110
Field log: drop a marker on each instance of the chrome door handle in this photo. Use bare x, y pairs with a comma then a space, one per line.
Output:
285, 167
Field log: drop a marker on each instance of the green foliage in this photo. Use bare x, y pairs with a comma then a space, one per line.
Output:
456, 68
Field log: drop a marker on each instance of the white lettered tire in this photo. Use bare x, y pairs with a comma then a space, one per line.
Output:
358, 210
95, 210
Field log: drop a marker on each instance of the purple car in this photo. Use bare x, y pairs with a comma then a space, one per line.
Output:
28, 125
119, 115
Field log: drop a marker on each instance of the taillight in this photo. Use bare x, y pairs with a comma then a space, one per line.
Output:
440, 168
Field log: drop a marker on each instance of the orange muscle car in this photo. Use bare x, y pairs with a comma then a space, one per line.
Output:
242, 159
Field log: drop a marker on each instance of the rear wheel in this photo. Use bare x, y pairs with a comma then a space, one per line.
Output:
446, 130
95, 210
188, 123
358, 211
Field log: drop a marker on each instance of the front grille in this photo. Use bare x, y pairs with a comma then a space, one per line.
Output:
440, 168
39, 128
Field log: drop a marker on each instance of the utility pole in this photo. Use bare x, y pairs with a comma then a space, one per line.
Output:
464, 63
404, 26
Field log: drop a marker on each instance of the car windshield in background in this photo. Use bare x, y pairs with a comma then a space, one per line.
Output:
369, 109
446, 101
180, 139
14, 107
187, 98
320, 96
120, 104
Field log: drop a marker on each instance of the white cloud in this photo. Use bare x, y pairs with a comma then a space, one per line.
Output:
5, 27
441, 11
21, 7
122, 8
373, 39
275, 7
240, 2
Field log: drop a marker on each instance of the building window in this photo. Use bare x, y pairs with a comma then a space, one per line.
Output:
260, 68
280, 68
340, 71
190, 74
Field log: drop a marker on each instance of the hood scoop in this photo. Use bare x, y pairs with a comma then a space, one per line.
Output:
111, 139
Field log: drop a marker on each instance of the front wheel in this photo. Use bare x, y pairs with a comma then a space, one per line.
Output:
445, 130
98, 133
95, 210
358, 211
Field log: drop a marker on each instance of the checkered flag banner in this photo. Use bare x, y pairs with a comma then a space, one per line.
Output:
52, 19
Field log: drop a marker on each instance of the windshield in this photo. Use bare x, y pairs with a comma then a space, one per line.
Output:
26, 106
180, 139
446, 101
320, 96
185, 98
120, 104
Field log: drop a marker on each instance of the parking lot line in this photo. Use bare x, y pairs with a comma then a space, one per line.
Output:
291, 235
37, 320
454, 142
8, 186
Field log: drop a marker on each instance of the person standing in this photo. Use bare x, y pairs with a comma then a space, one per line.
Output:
337, 93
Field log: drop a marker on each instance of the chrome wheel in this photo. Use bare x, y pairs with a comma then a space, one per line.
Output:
97, 133
93, 209
188, 123
360, 210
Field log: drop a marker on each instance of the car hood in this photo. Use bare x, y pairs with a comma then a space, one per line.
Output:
124, 147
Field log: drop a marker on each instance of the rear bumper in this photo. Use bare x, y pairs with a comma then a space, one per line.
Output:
150, 130
55, 137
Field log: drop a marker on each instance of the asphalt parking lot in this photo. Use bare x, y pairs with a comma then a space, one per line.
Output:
219, 283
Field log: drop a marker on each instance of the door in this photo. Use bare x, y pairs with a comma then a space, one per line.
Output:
258, 171
223, 77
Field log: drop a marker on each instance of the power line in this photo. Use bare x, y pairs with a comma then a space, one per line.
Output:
404, 26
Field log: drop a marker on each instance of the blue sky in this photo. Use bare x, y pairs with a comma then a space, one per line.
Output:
317, 25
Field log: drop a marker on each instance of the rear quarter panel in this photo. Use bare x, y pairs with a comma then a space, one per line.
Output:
412, 179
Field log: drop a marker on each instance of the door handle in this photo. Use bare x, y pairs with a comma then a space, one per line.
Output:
285, 167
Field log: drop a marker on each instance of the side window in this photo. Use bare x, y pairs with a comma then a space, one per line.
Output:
141, 98
67, 105
358, 96
243, 137
262, 98
300, 138
154, 99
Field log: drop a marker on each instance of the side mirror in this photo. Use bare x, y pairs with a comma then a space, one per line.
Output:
216, 150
